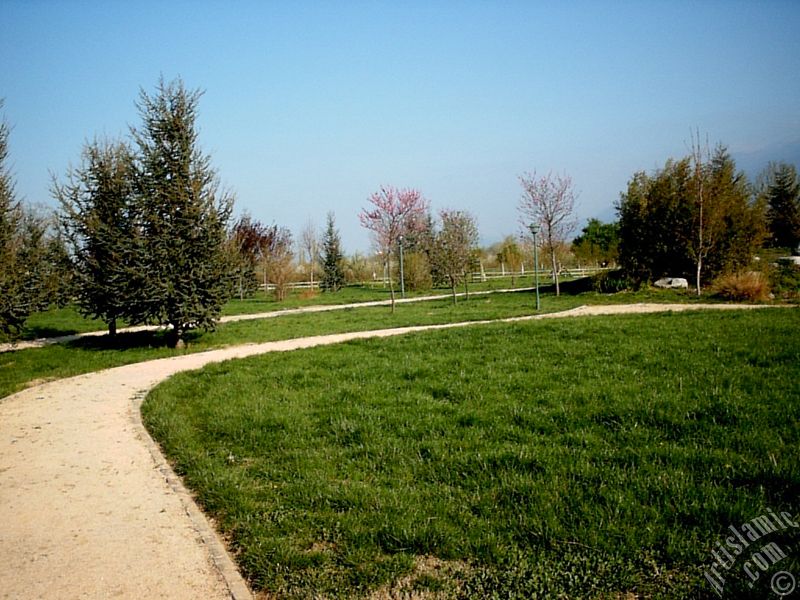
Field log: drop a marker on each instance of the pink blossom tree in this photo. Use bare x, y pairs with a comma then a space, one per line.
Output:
393, 213
549, 202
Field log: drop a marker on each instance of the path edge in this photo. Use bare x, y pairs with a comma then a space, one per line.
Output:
217, 549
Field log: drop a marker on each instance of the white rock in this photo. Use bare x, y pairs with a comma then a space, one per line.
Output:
674, 283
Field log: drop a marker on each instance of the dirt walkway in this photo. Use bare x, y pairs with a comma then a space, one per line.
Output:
62, 339
88, 507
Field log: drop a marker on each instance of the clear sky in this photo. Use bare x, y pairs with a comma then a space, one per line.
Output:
312, 106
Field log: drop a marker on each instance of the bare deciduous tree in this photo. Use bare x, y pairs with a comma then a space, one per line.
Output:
309, 247
707, 214
394, 213
510, 255
549, 202
454, 245
278, 260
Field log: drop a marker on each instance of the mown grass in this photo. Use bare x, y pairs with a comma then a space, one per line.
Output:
260, 302
67, 320
19, 368
60, 321
584, 458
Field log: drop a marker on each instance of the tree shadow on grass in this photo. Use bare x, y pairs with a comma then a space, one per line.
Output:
36, 332
130, 340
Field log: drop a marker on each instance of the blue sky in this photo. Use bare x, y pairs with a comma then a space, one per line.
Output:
312, 106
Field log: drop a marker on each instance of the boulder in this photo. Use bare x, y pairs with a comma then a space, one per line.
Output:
672, 283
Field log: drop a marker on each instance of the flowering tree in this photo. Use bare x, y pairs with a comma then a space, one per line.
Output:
549, 202
393, 213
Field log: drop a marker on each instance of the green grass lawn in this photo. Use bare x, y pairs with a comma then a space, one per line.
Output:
584, 458
19, 368
67, 320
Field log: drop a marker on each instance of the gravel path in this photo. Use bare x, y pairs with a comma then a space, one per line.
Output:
89, 508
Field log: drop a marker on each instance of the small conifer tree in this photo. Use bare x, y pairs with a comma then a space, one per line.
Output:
332, 263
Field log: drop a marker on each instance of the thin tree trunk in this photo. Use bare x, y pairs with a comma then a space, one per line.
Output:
555, 272
700, 244
453, 289
112, 328
173, 336
391, 282
698, 172
699, 268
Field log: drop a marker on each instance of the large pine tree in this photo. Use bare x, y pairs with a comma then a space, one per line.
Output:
99, 218
332, 267
186, 278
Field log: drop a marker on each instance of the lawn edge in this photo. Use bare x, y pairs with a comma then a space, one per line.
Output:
201, 522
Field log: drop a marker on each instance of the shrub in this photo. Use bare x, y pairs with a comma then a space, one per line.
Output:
357, 269
610, 282
749, 286
417, 272
785, 280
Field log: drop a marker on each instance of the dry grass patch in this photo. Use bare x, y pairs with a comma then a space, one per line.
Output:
746, 286
430, 579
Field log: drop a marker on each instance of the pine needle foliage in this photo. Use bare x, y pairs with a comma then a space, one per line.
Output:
184, 278
99, 219
22, 252
332, 260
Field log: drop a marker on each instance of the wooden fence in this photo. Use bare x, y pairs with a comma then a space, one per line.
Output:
477, 277
544, 273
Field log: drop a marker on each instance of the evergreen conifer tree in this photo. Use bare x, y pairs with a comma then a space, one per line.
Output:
783, 207
185, 277
332, 267
22, 251
98, 216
